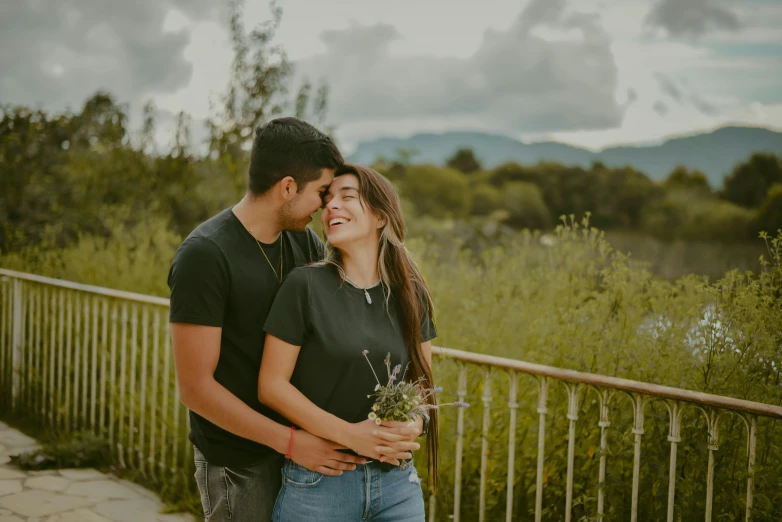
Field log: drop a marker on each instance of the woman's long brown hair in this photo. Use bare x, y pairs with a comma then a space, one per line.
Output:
400, 275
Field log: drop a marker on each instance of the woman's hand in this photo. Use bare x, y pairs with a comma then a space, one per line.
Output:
396, 433
409, 431
380, 443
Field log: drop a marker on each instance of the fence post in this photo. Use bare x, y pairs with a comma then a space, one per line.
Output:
17, 340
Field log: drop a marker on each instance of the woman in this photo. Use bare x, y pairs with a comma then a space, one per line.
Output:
367, 295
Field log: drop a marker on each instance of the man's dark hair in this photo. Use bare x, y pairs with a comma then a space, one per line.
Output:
289, 147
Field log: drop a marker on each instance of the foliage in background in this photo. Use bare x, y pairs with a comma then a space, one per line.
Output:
84, 199
574, 302
78, 450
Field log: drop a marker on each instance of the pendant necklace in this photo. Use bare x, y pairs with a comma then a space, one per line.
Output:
366, 294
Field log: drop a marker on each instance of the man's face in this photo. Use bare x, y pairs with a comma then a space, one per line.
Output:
297, 213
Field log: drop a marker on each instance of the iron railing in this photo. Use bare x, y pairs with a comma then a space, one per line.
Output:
79, 357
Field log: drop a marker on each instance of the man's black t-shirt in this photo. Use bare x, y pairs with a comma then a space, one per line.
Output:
220, 277
333, 323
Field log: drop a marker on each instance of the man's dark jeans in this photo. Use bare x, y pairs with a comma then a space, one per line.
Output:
238, 494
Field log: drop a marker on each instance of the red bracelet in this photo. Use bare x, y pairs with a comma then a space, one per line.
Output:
290, 444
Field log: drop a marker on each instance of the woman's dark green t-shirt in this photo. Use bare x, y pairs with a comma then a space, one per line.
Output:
333, 323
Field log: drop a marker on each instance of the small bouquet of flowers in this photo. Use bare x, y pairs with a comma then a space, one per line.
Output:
400, 400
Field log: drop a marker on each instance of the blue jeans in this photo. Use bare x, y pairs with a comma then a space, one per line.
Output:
364, 494
238, 494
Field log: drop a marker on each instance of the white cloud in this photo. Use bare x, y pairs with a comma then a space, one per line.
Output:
515, 81
587, 71
65, 51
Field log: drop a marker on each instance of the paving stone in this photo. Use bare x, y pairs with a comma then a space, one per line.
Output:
18, 450
37, 503
42, 472
80, 515
141, 510
8, 487
10, 473
82, 474
101, 489
11, 437
47, 483
141, 490
67, 495
176, 517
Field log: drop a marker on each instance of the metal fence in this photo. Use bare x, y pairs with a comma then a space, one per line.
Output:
78, 357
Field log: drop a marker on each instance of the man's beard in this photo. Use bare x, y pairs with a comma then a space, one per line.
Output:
289, 219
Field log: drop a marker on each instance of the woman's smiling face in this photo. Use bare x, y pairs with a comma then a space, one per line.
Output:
345, 217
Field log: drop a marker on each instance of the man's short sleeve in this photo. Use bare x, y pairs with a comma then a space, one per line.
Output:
199, 282
288, 318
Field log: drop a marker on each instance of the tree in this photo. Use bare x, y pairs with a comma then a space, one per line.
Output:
437, 192
616, 198
260, 87
678, 216
750, 181
394, 168
769, 217
464, 160
47, 177
525, 206
486, 199
77, 170
717, 220
664, 219
682, 178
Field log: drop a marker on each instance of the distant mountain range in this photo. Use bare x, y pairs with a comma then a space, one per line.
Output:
713, 153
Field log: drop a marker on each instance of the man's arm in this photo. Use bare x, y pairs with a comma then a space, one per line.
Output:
196, 352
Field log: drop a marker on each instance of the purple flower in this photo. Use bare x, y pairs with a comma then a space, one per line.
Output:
437, 389
461, 404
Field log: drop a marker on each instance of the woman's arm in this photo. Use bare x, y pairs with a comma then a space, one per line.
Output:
426, 348
276, 391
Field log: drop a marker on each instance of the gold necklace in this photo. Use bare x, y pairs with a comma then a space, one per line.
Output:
276, 276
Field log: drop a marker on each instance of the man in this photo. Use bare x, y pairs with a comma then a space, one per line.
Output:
223, 280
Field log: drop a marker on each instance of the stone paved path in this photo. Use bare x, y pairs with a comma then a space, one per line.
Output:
70, 495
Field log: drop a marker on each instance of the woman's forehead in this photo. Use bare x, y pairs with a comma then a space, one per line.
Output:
343, 182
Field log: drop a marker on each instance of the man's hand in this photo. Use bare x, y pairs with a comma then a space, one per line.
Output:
322, 456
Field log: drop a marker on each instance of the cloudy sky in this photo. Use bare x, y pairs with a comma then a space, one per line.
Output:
588, 72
